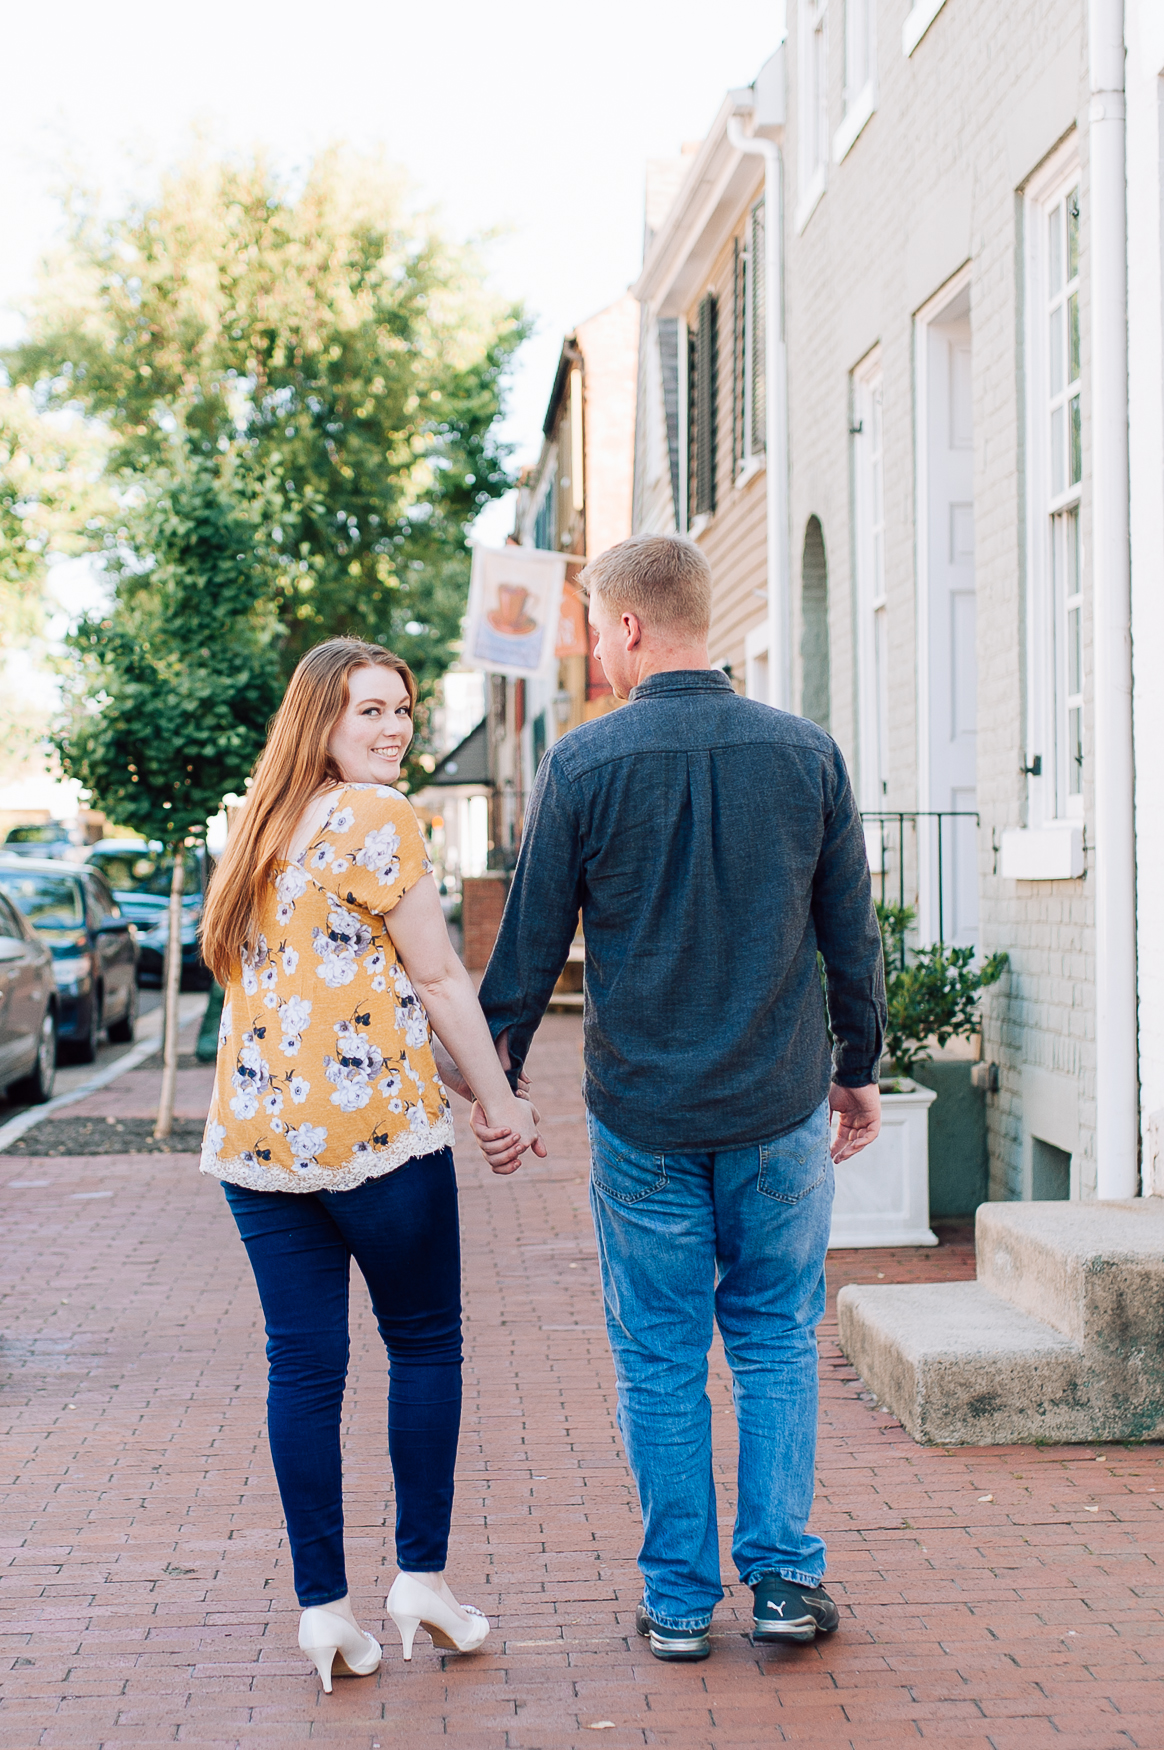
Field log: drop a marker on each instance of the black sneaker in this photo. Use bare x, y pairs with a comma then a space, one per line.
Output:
784, 1611
673, 1643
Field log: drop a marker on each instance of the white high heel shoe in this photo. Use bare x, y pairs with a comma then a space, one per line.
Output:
412, 1605
337, 1647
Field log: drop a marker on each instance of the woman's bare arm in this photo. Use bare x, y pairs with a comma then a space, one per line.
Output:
417, 927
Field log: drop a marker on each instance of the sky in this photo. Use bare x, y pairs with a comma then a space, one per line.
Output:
529, 120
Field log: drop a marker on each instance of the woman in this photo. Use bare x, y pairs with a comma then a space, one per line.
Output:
330, 1128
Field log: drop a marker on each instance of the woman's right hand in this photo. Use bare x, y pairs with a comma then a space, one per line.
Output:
504, 1143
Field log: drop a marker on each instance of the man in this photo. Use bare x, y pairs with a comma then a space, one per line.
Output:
713, 847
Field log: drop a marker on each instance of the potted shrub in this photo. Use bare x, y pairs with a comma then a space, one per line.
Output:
933, 996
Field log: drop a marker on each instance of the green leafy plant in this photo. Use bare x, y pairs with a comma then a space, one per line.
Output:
932, 993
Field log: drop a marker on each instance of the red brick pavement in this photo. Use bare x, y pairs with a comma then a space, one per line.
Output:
1007, 1598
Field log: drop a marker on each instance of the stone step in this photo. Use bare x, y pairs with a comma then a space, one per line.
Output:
1095, 1271
1061, 1338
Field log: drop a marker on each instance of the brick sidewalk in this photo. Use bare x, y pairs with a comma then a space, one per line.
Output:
1004, 1598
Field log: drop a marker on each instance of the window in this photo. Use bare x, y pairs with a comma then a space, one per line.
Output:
1054, 474
860, 90
872, 614
812, 108
702, 390
749, 399
546, 521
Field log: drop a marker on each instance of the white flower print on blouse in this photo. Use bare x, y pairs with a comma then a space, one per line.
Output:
273, 1103
224, 1026
294, 1018
379, 855
306, 1143
289, 886
351, 1074
340, 946
298, 1087
290, 959
320, 855
342, 821
213, 1140
251, 1078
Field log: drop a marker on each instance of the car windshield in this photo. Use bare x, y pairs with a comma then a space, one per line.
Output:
49, 902
144, 871
46, 834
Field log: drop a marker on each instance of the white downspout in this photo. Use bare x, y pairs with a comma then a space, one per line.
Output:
776, 407
1116, 1082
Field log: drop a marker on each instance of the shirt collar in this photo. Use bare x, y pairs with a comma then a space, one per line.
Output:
682, 680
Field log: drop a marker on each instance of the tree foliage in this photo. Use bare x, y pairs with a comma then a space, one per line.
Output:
171, 690
341, 347
53, 503
933, 994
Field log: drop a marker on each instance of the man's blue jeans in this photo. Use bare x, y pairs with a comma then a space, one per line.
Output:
737, 1236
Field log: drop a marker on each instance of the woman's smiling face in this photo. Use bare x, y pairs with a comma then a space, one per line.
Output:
372, 734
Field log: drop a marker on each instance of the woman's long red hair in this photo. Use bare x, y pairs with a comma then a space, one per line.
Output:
293, 766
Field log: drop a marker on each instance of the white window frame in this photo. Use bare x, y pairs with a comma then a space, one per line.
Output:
860, 90
867, 426
757, 679
1055, 695
812, 154
918, 20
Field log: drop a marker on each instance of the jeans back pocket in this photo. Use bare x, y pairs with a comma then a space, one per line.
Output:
626, 1174
793, 1165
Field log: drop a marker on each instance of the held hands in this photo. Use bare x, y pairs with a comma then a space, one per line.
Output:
504, 1144
859, 1110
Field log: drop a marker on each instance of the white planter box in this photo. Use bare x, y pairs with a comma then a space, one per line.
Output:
883, 1194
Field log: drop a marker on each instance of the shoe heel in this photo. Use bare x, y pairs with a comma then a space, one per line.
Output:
407, 1625
323, 1658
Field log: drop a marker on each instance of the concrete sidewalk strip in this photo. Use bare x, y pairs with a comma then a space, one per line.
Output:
145, 1046
146, 1579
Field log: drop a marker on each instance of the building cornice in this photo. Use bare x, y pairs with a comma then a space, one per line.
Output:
707, 208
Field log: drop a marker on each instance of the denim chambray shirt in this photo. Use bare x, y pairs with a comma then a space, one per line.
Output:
713, 846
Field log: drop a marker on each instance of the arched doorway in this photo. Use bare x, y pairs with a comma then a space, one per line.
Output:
814, 626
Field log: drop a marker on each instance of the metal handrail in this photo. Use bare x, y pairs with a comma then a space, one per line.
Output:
913, 816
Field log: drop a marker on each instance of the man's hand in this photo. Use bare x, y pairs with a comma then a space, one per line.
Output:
860, 1115
503, 1149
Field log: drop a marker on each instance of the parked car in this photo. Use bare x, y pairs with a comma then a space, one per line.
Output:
92, 945
139, 874
28, 1010
49, 838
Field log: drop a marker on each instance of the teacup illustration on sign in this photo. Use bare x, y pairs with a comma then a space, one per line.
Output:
509, 616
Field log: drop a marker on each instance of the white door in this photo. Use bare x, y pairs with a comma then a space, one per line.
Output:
952, 908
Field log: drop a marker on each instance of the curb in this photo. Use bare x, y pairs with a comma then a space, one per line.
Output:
189, 1008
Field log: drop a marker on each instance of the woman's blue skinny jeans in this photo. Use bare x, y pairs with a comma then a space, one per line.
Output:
402, 1231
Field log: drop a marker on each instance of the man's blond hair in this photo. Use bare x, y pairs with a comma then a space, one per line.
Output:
663, 579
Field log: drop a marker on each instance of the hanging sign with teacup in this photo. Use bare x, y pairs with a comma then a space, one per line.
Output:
512, 625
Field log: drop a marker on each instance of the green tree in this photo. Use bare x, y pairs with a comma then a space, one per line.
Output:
344, 347
170, 691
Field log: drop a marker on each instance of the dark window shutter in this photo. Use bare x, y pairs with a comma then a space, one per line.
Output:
704, 391
759, 407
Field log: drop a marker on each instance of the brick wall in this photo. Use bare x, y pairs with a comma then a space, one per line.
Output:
932, 183
482, 903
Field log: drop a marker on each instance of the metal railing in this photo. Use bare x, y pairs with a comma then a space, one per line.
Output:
917, 862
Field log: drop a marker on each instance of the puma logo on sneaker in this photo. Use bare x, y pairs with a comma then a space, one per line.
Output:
813, 1611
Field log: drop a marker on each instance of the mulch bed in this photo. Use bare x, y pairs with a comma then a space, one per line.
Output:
106, 1136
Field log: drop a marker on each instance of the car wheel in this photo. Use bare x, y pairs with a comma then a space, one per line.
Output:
37, 1087
121, 1032
85, 1050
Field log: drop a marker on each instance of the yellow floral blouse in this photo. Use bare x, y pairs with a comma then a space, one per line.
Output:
326, 1074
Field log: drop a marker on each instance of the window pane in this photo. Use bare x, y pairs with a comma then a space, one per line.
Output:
1072, 233
1058, 383
1073, 584
1055, 250
1073, 337
1058, 450
1076, 443
1075, 751
1074, 652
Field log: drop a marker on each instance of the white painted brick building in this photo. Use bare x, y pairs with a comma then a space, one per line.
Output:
934, 601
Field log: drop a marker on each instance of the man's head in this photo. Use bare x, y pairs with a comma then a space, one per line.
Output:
650, 603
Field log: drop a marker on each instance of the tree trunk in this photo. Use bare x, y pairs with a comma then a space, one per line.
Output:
165, 1121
